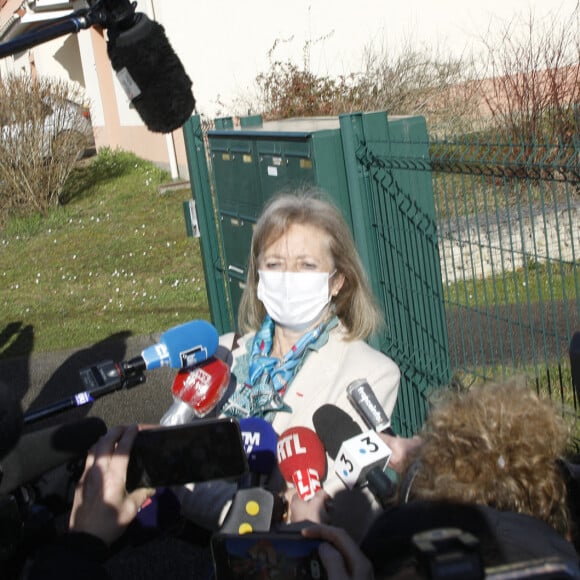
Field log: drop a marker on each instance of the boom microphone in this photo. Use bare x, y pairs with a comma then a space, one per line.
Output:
197, 391
182, 346
359, 458
150, 72
302, 460
43, 450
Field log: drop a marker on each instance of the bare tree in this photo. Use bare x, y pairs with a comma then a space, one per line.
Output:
420, 81
534, 72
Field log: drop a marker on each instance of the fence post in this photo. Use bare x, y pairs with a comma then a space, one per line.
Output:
393, 218
222, 318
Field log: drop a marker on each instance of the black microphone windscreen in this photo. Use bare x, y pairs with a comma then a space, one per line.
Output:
145, 61
43, 450
334, 426
11, 418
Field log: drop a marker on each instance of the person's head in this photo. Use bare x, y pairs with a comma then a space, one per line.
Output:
299, 232
498, 445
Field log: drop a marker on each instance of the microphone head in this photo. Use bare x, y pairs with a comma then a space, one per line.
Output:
11, 418
260, 441
183, 346
151, 74
360, 458
203, 386
363, 399
334, 426
300, 449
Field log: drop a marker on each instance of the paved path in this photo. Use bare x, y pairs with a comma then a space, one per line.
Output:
44, 378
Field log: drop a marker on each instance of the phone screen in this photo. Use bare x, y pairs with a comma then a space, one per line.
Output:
196, 452
265, 555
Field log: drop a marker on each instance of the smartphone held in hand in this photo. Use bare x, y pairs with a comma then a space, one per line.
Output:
204, 450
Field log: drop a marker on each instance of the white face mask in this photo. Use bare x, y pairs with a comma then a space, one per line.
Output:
294, 299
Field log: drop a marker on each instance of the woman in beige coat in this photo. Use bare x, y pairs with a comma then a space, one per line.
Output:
306, 312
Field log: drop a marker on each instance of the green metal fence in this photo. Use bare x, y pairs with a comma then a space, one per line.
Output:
473, 248
508, 219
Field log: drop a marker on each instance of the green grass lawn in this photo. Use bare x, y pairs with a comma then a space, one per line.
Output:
114, 258
534, 283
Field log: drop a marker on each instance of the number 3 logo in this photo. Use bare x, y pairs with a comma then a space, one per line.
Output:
373, 447
347, 463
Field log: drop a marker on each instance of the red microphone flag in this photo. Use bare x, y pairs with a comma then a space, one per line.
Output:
202, 386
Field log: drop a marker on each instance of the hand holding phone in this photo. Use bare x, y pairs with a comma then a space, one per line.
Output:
101, 505
193, 453
340, 555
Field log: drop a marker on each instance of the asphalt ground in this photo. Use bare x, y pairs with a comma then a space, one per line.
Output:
43, 379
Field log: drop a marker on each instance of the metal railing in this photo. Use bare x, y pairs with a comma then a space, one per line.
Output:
508, 218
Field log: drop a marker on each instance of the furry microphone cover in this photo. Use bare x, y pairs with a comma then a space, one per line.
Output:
159, 87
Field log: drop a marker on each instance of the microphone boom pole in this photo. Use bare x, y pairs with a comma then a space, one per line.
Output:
104, 13
99, 380
72, 24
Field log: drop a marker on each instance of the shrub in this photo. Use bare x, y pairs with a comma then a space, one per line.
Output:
415, 82
43, 134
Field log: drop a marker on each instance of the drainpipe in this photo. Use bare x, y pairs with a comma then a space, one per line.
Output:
172, 156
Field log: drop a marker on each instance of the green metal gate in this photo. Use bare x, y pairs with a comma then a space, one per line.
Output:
354, 158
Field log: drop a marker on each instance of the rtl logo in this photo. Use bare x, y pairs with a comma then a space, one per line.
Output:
289, 446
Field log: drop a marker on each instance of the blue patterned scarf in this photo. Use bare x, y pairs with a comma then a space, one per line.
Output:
267, 378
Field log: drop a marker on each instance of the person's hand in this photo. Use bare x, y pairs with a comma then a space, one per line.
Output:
314, 510
340, 554
101, 506
403, 449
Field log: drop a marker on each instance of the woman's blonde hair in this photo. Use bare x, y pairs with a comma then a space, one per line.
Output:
498, 445
355, 304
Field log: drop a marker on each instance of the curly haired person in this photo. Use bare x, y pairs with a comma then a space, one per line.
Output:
497, 445
490, 461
